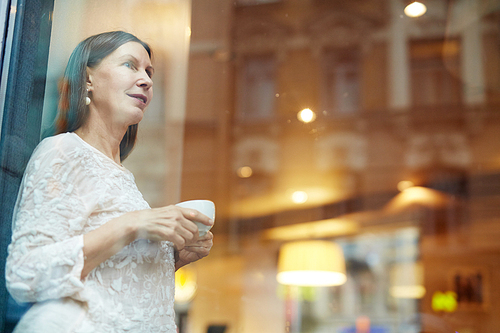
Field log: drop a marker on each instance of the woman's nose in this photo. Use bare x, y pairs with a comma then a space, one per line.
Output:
145, 81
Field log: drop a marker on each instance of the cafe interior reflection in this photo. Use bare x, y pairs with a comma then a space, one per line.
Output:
352, 149
360, 124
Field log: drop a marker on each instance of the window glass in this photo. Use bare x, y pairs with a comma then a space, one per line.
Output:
397, 165
389, 191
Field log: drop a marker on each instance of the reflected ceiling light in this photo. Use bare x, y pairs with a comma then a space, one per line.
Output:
407, 280
415, 9
404, 184
299, 197
185, 284
311, 263
417, 196
245, 172
306, 116
316, 229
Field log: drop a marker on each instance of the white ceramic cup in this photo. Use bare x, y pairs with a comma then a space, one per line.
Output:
205, 207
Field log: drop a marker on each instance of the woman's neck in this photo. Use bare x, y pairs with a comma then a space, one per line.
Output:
102, 138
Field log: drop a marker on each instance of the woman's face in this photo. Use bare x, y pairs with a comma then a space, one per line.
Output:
120, 87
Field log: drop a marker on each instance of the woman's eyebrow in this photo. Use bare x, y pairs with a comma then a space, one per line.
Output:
125, 56
128, 56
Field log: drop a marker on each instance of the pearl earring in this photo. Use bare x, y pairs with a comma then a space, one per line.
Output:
87, 99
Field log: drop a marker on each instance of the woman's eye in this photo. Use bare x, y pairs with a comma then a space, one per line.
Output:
129, 65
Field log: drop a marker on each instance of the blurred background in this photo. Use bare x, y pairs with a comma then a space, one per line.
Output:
359, 138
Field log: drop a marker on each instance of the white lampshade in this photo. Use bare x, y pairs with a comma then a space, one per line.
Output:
311, 263
407, 280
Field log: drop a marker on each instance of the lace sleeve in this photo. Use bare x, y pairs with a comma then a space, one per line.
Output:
46, 253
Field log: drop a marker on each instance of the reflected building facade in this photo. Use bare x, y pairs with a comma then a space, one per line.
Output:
395, 99
398, 162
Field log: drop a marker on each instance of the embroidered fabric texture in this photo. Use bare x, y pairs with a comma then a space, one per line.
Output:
70, 188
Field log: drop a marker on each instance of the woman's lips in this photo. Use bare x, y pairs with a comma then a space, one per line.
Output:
139, 97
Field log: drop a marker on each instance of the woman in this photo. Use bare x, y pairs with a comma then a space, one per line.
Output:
86, 247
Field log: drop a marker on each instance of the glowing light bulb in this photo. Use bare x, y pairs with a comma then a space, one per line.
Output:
306, 116
299, 197
415, 9
245, 172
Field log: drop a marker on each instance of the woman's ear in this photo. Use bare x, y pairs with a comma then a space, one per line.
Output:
89, 85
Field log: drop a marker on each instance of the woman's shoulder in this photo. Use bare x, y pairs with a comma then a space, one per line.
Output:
59, 145
58, 149
72, 151
67, 139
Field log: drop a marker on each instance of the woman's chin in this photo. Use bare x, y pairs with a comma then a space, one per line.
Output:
136, 119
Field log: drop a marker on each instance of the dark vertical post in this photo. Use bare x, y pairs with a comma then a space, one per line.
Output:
22, 112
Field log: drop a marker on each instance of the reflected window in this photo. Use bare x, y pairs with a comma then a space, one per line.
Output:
342, 82
435, 73
257, 89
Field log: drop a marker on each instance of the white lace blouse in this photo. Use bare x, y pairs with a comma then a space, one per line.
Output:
70, 188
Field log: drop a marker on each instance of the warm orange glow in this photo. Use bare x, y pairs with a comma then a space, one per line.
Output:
306, 116
281, 199
422, 195
316, 229
404, 184
245, 172
417, 196
185, 285
311, 263
299, 197
415, 9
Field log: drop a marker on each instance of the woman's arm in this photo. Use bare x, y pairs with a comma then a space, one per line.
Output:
49, 254
170, 223
45, 256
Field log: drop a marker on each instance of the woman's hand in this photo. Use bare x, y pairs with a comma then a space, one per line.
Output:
170, 223
195, 251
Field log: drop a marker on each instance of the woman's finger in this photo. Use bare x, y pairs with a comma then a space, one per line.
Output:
167, 224
172, 217
195, 216
208, 236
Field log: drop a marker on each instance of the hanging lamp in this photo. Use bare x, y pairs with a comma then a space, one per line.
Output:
311, 263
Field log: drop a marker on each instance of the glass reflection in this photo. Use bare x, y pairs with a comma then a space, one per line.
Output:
400, 166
